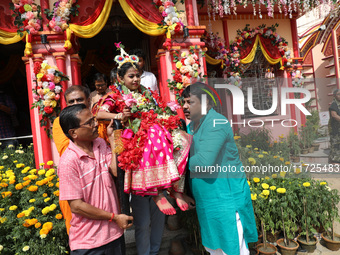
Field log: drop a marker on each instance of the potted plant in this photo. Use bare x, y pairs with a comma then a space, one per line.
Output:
309, 217
304, 139
294, 146
288, 197
262, 209
331, 213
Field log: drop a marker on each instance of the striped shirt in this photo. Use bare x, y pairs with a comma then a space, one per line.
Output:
86, 178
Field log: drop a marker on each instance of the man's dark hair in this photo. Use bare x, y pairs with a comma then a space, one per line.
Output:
138, 52
99, 77
80, 88
125, 67
68, 118
113, 75
198, 89
335, 92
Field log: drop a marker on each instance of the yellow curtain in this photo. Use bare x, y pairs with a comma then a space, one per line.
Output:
10, 37
250, 57
142, 24
211, 60
93, 29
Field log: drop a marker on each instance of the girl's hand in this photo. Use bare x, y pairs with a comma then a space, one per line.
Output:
126, 114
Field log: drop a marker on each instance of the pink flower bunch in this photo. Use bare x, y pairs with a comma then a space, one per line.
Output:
27, 16
61, 15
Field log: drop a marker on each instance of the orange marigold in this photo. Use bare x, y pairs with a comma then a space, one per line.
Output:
20, 215
48, 226
37, 225
32, 188
19, 186
59, 216
11, 181
43, 231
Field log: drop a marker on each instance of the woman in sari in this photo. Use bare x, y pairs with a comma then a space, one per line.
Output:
155, 150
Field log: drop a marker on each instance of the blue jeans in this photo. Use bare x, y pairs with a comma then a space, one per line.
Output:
112, 248
149, 225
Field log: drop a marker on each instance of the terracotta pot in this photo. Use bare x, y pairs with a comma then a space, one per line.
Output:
330, 244
309, 247
271, 249
311, 149
304, 151
291, 250
316, 146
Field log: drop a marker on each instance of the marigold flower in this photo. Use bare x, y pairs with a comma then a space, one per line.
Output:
266, 192
47, 199
260, 156
6, 194
43, 231
56, 193
20, 165
13, 208
32, 200
26, 248
26, 178
256, 149
253, 196
274, 176
281, 190
252, 161
323, 183
3, 185
297, 170
256, 180
44, 195
248, 183
11, 181
2, 209
59, 216
57, 184
26, 183
275, 156
272, 188
20, 215
41, 164
265, 186
287, 163
267, 178
48, 226
45, 211
41, 172
49, 163
283, 174
37, 225
306, 184
248, 146
53, 207
282, 159
32, 188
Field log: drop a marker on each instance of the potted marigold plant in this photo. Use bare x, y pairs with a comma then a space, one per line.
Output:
309, 216
288, 219
294, 146
330, 215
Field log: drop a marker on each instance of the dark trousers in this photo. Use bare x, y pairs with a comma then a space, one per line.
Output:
112, 248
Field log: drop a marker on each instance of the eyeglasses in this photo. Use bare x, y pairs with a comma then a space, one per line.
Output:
91, 122
100, 85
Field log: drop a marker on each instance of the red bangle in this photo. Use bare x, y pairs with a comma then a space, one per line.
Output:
113, 215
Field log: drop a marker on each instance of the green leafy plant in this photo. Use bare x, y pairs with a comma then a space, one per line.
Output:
294, 144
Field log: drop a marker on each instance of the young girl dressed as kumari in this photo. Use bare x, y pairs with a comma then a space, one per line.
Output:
153, 149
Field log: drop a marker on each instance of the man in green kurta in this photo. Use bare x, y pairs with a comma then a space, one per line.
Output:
220, 189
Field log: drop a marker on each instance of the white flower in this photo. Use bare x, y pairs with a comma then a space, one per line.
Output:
57, 89
42, 236
23, 16
51, 71
175, 20
1, 247
195, 66
45, 84
26, 248
176, 138
5, 157
10, 146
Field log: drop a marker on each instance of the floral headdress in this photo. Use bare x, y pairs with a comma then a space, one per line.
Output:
124, 57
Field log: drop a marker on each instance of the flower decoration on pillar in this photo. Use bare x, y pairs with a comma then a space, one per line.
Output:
61, 13
187, 71
298, 79
171, 22
27, 16
46, 91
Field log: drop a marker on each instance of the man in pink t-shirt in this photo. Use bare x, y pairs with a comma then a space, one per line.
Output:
86, 183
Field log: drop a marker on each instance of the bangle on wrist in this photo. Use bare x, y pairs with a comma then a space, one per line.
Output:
119, 116
112, 216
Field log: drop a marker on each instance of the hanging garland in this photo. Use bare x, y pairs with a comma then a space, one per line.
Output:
46, 91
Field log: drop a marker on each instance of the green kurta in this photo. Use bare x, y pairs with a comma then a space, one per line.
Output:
221, 194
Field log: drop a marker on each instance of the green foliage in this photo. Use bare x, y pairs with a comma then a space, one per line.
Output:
29, 199
257, 138
293, 143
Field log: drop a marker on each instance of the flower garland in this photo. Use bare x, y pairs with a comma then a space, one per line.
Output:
229, 7
231, 58
27, 16
298, 79
187, 72
171, 22
46, 91
60, 15
147, 109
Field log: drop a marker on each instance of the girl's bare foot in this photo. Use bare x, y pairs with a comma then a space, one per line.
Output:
164, 205
182, 204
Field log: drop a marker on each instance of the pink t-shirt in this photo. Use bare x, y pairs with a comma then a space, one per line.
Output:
89, 179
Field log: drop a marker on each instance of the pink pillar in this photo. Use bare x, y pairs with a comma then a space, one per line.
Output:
60, 58
190, 12
291, 96
295, 39
45, 4
336, 56
76, 77
225, 32
162, 74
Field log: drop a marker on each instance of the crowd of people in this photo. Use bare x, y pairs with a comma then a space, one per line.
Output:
156, 147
